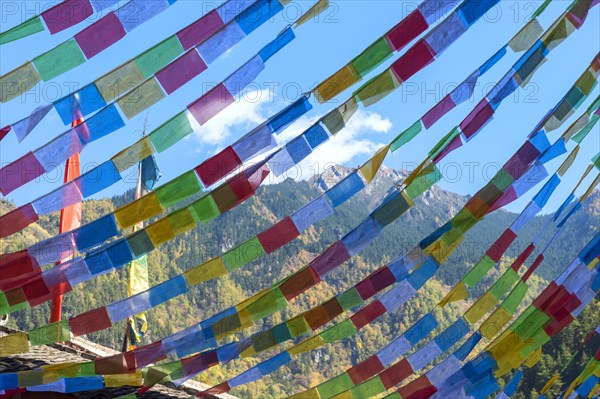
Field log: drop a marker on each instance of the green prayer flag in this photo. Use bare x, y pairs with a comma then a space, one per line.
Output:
159, 56
171, 132
512, 302
536, 320
502, 180
243, 254
338, 332
267, 304
478, 271
349, 299
504, 283
369, 388
426, 179
444, 142
27, 28
153, 375
578, 138
178, 189
59, 60
334, 386
406, 135
51, 333
374, 55
204, 209
377, 88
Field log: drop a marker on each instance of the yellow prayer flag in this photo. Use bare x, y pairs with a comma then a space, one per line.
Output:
526, 36
119, 380
141, 98
441, 250
494, 324
344, 395
138, 210
594, 392
557, 33
458, 293
314, 11
534, 358
248, 352
568, 162
208, 270
307, 345
590, 189
14, 343
336, 83
119, 81
133, 154
549, 383
312, 393
17, 82
371, 167
484, 304
160, 232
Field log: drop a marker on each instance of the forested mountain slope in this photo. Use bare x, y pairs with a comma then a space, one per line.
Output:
279, 200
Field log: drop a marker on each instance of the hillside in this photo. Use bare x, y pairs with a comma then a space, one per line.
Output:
274, 202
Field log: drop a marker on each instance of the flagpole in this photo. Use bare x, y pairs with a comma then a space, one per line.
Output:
70, 217
139, 191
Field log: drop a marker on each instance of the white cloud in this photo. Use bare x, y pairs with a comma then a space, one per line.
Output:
341, 149
243, 114
345, 146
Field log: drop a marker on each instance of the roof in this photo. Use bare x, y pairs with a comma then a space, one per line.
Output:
81, 350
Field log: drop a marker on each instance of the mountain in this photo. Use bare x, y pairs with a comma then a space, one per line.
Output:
272, 203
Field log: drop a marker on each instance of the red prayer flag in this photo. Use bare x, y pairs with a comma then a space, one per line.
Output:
365, 370
99, 36
17, 219
368, 314
416, 58
211, 103
66, 14
396, 374
407, 30
89, 322
181, 71
278, 235
200, 30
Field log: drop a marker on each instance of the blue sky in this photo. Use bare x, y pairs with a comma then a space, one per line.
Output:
321, 47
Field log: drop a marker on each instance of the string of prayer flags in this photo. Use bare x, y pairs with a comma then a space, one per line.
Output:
169, 62
550, 383
283, 158
366, 378
86, 44
17, 174
121, 260
488, 328
172, 61
419, 279
382, 379
417, 22
478, 377
309, 139
49, 156
583, 384
63, 15
229, 320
